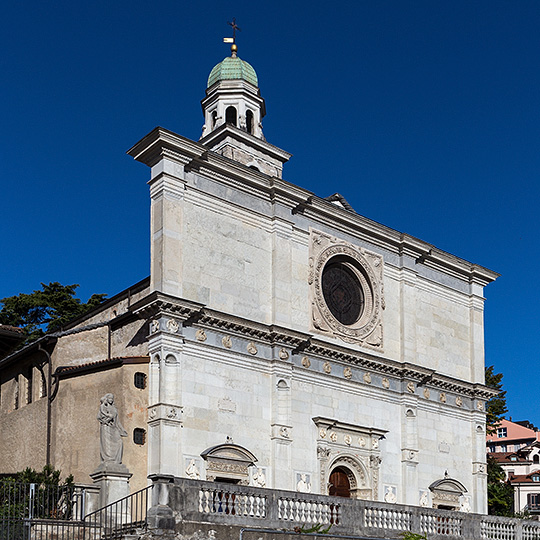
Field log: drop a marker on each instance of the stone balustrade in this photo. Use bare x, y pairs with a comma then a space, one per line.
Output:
199, 505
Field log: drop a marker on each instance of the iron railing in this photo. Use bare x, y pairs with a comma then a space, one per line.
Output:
125, 516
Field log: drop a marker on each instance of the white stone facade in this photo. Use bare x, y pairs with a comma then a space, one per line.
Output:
244, 350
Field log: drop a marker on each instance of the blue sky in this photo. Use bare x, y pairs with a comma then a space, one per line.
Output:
423, 114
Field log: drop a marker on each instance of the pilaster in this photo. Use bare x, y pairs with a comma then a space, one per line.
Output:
165, 399
409, 450
281, 428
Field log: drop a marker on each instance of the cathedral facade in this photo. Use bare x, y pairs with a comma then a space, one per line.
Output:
282, 341
295, 344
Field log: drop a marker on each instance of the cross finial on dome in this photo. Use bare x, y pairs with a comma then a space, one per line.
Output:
235, 27
232, 40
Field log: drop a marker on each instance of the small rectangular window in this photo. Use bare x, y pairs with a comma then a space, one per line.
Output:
501, 432
139, 436
29, 388
139, 380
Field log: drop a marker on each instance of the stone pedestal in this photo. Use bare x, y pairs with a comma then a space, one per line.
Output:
113, 482
160, 514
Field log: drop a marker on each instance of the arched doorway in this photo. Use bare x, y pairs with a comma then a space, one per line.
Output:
339, 483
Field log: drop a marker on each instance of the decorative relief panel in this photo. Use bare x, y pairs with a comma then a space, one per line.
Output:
173, 326
200, 335
164, 411
346, 286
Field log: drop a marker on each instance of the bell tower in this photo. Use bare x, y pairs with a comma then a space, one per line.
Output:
233, 111
233, 97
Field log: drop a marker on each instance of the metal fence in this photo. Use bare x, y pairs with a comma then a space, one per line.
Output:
24, 506
39, 512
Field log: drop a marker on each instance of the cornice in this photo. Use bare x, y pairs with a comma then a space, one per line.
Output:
261, 145
195, 314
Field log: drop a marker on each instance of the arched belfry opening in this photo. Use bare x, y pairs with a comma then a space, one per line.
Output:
249, 121
231, 115
338, 483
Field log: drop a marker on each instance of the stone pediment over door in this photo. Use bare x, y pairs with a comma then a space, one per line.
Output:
228, 462
446, 493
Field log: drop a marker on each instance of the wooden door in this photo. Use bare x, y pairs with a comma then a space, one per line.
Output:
339, 481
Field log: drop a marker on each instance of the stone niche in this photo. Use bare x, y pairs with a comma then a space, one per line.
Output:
228, 462
446, 493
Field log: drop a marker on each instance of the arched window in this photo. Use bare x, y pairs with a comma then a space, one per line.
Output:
249, 121
230, 115
214, 119
339, 483
536, 458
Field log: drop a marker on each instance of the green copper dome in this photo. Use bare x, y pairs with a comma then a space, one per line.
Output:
233, 68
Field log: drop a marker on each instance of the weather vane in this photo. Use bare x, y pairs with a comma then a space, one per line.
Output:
232, 40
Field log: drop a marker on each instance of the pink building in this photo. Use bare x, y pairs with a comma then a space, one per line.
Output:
516, 447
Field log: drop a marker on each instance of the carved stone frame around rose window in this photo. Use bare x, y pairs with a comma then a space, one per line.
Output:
368, 267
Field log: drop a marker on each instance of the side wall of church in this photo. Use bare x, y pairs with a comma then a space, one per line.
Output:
75, 441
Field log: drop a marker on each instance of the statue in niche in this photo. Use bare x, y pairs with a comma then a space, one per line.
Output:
390, 495
424, 500
304, 484
465, 505
111, 431
259, 478
192, 471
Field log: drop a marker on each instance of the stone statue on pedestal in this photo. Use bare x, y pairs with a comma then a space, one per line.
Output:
111, 431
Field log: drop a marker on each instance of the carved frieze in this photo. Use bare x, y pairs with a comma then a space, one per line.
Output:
200, 335
165, 412
172, 326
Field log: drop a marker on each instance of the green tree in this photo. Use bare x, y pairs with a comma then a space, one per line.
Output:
45, 310
51, 498
500, 493
496, 406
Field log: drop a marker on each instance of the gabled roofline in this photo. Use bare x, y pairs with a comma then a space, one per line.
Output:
160, 143
52, 337
126, 293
